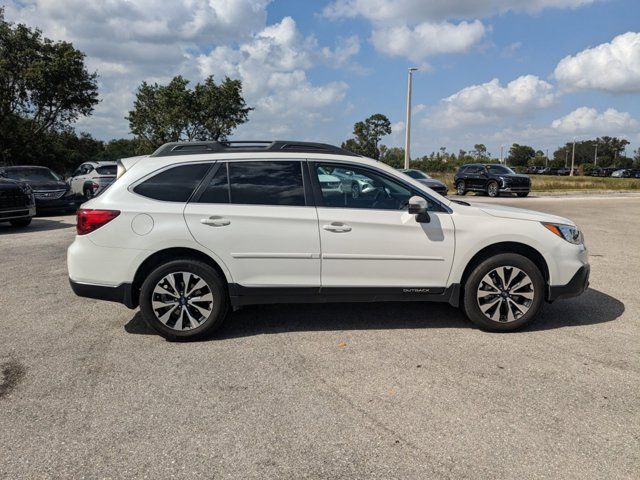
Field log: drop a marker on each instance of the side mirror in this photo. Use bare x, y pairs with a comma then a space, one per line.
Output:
418, 207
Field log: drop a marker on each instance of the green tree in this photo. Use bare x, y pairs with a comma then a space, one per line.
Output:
173, 112
520, 155
480, 152
44, 87
368, 134
393, 157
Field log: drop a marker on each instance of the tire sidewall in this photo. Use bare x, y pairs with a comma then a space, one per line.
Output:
470, 302
213, 280
460, 190
489, 189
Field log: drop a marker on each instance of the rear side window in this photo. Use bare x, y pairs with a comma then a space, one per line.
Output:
266, 183
107, 170
174, 184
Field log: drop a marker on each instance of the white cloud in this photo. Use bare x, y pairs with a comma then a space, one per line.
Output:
416, 29
272, 66
435, 10
425, 39
613, 67
586, 120
489, 101
130, 42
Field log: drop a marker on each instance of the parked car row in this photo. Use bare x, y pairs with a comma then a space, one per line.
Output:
559, 171
27, 189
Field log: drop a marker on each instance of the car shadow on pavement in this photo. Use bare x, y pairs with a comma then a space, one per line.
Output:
38, 224
591, 308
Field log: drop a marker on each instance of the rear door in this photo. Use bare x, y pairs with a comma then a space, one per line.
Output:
371, 241
256, 217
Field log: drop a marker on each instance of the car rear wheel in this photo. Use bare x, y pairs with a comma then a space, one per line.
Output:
461, 188
20, 222
492, 189
504, 293
184, 300
88, 193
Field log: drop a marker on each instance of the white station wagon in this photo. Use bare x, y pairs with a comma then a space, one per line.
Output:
198, 229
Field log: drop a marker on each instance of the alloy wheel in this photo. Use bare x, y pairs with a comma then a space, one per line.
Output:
460, 188
505, 294
493, 189
182, 301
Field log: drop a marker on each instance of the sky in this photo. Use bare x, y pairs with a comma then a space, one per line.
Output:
536, 72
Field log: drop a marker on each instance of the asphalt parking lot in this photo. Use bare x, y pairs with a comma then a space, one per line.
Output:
323, 391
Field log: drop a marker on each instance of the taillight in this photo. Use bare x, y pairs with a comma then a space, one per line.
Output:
89, 220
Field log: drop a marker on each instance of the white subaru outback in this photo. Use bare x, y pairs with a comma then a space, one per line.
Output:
197, 229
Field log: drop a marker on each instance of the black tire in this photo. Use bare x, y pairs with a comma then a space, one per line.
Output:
213, 280
523, 194
460, 188
471, 302
493, 189
88, 194
20, 222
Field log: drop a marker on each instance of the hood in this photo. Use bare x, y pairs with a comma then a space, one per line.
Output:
47, 184
431, 182
7, 184
521, 214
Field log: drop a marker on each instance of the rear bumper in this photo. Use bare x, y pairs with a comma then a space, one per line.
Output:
576, 286
122, 293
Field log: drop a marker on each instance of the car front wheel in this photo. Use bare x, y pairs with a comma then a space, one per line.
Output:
504, 293
184, 300
492, 189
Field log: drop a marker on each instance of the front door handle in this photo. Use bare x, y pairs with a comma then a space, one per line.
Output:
215, 221
337, 227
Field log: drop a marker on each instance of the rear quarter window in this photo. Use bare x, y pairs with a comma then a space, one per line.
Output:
175, 184
107, 170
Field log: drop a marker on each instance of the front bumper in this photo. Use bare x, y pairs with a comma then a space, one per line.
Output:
516, 189
576, 286
123, 293
16, 213
64, 203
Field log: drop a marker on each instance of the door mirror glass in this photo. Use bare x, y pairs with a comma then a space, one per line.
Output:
417, 205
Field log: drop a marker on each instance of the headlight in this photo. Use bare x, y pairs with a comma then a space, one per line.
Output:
26, 188
569, 233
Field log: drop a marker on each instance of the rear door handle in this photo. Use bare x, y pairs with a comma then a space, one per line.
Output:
215, 221
337, 227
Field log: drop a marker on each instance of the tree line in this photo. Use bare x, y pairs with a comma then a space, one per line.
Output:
45, 87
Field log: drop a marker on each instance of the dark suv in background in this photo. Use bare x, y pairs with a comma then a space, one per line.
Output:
492, 179
17, 204
50, 190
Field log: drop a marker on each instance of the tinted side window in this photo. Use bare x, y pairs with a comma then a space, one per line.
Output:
107, 170
217, 191
173, 185
362, 188
266, 183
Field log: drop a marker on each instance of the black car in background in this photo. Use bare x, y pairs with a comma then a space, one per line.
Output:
17, 204
426, 180
491, 179
603, 172
51, 192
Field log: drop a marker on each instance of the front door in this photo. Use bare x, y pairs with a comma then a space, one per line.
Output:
254, 217
370, 239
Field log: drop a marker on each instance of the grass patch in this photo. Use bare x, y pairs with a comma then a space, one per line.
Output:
543, 183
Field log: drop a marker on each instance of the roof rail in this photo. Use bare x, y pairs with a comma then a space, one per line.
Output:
246, 146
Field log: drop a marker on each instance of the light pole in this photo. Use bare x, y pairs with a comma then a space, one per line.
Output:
595, 157
501, 148
546, 163
573, 156
407, 138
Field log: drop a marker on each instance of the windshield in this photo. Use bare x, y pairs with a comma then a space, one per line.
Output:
500, 170
32, 174
418, 174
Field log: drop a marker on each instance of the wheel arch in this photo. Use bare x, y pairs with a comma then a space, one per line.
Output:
168, 254
489, 251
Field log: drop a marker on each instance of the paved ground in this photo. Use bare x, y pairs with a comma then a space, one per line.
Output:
333, 391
